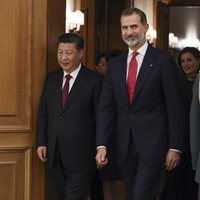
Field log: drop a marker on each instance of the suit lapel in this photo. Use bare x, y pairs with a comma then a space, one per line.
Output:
145, 70
58, 89
122, 78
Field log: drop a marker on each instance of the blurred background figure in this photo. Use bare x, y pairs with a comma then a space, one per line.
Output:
180, 182
101, 63
96, 192
110, 175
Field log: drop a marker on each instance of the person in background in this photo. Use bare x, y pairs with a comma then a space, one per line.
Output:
66, 122
189, 63
96, 192
180, 184
195, 131
113, 186
101, 63
141, 94
109, 178
112, 54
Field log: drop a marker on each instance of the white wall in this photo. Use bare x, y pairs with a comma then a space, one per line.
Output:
69, 8
147, 7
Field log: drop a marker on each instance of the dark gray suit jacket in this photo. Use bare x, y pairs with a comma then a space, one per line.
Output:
155, 119
195, 129
72, 128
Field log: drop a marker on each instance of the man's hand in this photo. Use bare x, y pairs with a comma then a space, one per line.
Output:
101, 159
172, 160
42, 153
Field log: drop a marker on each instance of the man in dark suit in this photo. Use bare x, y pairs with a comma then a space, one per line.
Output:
66, 120
150, 120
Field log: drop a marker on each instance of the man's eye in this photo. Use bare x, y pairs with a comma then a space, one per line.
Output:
134, 26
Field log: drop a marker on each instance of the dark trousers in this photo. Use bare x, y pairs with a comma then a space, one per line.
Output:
96, 192
71, 185
180, 182
140, 178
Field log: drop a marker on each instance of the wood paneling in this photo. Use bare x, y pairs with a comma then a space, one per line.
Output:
77, 5
15, 174
15, 65
39, 60
23, 42
108, 35
56, 27
88, 32
162, 26
7, 176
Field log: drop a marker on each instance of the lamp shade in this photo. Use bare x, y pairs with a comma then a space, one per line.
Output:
76, 17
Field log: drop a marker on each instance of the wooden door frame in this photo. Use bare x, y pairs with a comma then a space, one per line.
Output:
175, 3
39, 53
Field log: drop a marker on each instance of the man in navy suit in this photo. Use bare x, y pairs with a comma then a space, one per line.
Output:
150, 126
66, 128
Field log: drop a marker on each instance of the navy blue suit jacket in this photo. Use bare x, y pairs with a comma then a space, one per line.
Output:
155, 119
71, 128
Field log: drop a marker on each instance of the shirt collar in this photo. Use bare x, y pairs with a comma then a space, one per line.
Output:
142, 50
74, 73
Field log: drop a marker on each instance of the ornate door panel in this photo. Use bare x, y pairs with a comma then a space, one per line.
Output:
22, 70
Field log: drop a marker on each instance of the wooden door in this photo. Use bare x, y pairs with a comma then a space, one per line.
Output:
22, 69
162, 26
107, 21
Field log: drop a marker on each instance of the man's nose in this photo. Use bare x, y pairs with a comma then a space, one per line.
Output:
129, 31
64, 57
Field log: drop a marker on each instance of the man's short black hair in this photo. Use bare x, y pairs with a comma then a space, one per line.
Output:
72, 38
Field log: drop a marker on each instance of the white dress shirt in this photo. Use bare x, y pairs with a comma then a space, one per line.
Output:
142, 50
73, 75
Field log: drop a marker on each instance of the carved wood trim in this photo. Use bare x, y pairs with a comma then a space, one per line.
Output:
15, 176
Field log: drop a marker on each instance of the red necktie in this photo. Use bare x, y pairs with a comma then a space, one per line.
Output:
132, 76
65, 89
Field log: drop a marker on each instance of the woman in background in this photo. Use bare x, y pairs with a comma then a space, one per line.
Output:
180, 184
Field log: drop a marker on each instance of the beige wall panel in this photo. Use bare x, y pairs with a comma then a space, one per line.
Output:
15, 174
15, 56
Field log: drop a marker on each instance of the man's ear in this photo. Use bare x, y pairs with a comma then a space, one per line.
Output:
81, 53
146, 26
